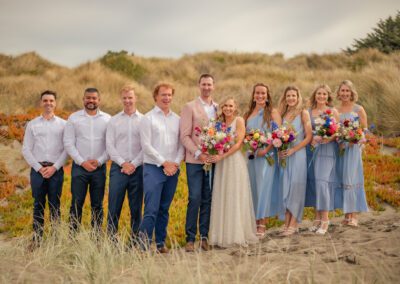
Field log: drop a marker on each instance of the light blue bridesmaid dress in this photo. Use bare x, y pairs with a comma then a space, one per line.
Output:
264, 179
294, 176
350, 193
321, 175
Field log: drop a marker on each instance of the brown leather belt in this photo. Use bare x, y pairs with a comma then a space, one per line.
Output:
46, 164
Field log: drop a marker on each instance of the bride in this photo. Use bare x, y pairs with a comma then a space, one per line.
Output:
232, 214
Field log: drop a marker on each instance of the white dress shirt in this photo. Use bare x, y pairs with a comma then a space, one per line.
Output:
159, 136
123, 138
43, 142
210, 109
85, 136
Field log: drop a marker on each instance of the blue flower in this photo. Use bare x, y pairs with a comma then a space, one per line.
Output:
218, 125
274, 125
372, 126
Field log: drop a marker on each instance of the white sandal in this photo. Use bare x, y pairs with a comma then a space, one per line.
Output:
261, 235
353, 222
321, 230
290, 231
315, 227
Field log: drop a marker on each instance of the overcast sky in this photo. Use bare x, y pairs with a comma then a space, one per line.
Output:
71, 32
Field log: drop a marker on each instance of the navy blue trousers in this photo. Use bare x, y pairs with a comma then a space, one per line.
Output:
42, 188
120, 185
159, 191
81, 181
199, 205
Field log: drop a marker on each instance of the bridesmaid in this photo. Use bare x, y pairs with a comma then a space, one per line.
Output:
264, 178
321, 175
350, 194
294, 175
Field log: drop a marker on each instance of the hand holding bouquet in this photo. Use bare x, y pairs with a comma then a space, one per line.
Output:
282, 138
255, 139
215, 139
350, 131
325, 127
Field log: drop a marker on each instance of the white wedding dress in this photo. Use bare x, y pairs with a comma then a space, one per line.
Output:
232, 214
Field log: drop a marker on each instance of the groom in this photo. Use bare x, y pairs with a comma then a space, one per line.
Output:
196, 114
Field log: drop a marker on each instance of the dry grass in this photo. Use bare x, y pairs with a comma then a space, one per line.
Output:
374, 74
345, 255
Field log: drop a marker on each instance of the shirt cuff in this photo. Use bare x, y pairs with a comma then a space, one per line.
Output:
36, 166
120, 161
136, 163
197, 154
160, 162
79, 161
57, 166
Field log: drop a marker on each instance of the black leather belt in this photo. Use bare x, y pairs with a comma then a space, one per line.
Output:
46, 164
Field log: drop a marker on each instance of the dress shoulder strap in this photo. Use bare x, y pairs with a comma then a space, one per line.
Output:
356, 108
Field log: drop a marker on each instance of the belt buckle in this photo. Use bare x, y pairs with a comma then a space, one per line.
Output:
46, 164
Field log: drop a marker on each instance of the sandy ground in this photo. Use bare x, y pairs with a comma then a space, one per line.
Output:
369, 253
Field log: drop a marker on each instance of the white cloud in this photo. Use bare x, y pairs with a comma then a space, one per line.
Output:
72, 32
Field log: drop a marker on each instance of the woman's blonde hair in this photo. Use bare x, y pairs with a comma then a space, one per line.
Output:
283, 106
313, 101
348, 83
221, 115
268, 105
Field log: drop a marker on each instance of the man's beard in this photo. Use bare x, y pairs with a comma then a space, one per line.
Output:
91, 106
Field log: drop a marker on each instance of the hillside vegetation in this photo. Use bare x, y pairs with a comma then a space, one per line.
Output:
375, 74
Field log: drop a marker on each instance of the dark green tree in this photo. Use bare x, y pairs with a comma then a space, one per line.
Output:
385, 37
121, 62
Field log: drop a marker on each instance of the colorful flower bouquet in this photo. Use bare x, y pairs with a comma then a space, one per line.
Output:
215, 138
255, 139
350, 131
282, 138
325, 127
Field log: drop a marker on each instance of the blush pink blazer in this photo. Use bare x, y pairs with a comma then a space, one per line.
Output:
192, 115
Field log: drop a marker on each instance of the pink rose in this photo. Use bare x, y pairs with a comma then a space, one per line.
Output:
277, 143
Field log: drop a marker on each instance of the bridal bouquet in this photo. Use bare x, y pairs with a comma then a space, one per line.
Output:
215, 138
325, 127
282, 138
350, 131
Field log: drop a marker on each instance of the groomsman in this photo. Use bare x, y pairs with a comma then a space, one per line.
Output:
162, 154
196, 114
126, 174
44, 152
85, 142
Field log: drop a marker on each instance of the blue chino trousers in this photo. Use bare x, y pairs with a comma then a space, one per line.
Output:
159, 191
120, 185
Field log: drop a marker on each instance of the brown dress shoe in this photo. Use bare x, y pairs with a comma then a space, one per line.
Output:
163, 250
189, 247
204, 245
